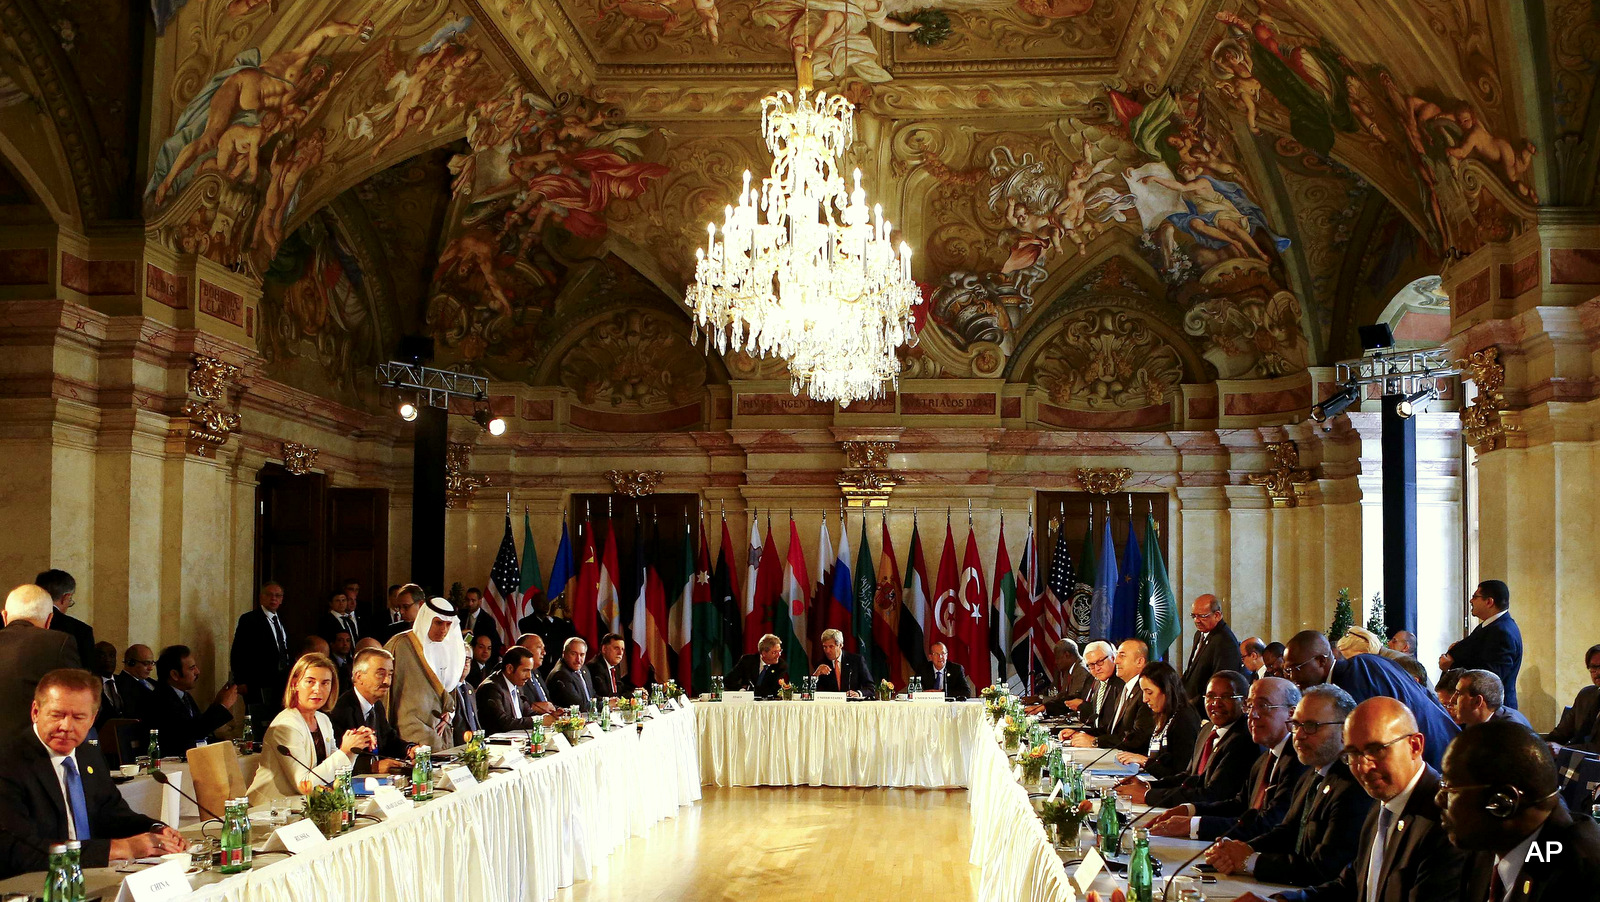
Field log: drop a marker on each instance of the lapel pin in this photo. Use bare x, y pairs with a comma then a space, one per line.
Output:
1326, 789
1527, 887
90, 768
1399, 825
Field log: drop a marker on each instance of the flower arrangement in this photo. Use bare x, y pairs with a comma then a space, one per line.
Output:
1015, 728
475, 755
997, 708
670, 689
628, 708
785, 691
1033, 759
1066, 816
324, 807
990, 693
885, 691
571, 725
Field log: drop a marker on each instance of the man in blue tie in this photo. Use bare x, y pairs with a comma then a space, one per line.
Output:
570, 683
945, 675
55, 789
762, 672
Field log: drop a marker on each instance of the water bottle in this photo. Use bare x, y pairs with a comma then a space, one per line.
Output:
420, 775
75, 871
605, 716
58, 883
247, 737
347, 797
1141, 878
154, 748
246, 853
1108, 827
233, 841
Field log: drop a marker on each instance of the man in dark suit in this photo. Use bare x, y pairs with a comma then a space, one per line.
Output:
173, 711
1405, 854
842, 671
555, 631
340, 617
363, 705
605, 672
1263, 801
466, 718
1071, 682
760, 672
1251, 661
260, 657
570, 682
477, 621
1578, 727
1495, 644
1309, 662
944, 675
500, 696
28, 651
484, 662
535, 693
1480, 698
1215, 649
1103, 694
135, 682
112, 701
63, 589
1502, 805
1133, 723
54, 788
1321, 834
1223, 753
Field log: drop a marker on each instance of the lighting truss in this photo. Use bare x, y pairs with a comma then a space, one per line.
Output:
433, 387
1398, 372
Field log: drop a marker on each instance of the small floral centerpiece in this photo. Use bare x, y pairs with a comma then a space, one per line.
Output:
571, 726
785, 691
324, 807
670, 690
996, 701
628, 708
1015, 729
1066, 817
990, 693
1033, 760
885, 691
475, 755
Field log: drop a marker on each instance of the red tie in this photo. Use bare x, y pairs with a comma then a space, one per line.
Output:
612, 672
1205, 753
1260, 799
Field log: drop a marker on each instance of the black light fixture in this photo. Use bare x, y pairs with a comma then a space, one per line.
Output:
1376, 337
481, 415
1407, 407
408, 410
1337, 404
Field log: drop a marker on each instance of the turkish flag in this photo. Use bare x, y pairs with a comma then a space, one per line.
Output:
973, 631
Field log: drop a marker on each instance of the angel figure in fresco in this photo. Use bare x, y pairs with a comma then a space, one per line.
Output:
1494, 152
839, 43
431, 87
1042, 209
290, 162
242, 95
1309, 80
1218, 214
666, 13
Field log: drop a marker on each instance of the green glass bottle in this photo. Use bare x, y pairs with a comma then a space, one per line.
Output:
1108, 827
1141, 876
246, 852
422, 774
247, 737
154, 748
75, 889
58, 881
233, 840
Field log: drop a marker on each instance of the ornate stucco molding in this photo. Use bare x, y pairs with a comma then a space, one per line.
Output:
1281, 481
1103, 482
298, 459
210, 423
634, 483
867, 481
459, 485
1480, 420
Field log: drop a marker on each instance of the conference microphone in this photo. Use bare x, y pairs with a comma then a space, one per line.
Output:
284, 751
1131, 822
160, 777
1167, 890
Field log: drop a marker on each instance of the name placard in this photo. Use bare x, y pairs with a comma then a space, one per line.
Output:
1084, 876
935, 695
560, 742
683, 701
832, 697
388, 803
1054, 792
738, 698
300, 836
459, 777
161, 883
652, 710
594, 730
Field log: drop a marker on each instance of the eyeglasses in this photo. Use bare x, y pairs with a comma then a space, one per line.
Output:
1259, 710
1295, 668
1199, 617
1370, 753
1096, 663
1312, 727
140, 663
1446, 789
1223, 698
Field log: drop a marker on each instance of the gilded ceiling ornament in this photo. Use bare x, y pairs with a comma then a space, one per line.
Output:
635, 360
210, 423
1108, 359
1481, 419
459, 485
1103, 481
1282, 479
867, 481
634, 483
298, 459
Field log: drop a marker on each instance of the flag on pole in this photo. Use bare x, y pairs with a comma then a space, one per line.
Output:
683, 607
944, 607
1002, 612
725, 593
1105, 585
1155, 594
914, 614
583, 602
1125, 601
702, 636
639, 618
865, 595
972, 629
1079, 620
1026, 634
757, 616
531, 579
562, 574
794, 602
843, 617
1058, 597
886, 609
657, 628
608, 607
502, 597
821, 592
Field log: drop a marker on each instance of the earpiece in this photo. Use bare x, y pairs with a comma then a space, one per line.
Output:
1503, 802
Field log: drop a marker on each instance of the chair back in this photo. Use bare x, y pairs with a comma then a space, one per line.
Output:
121, 740
1578, 779
214, 771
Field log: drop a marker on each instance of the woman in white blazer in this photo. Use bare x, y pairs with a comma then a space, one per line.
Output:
304, 729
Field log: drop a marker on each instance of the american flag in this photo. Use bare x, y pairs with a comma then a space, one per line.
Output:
504, 580
1059, 583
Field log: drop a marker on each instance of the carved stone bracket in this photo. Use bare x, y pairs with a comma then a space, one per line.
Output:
634, 483
459, 485
1103, 482
1481, 420
867, 480
210, 423
298, 459
1282, 479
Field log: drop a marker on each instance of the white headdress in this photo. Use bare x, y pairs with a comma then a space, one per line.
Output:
448, 656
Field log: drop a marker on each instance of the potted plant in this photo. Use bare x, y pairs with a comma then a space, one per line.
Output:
885, 691
628, 708
1015, 729
475, 755
1065, 818
324, 807
571, 726
1033, 760
785, 691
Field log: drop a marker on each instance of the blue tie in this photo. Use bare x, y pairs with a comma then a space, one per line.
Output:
1375, 863
75, 802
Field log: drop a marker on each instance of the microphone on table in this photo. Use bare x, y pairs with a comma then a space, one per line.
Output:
160, 777
284, 751
1167, 890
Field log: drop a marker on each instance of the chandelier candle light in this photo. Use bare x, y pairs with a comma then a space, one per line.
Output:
819, 284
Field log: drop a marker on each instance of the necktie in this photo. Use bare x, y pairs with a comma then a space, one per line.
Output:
112, 696
1199, 640
372, 718
612, 673
1205, 753
1497, 889
538, 689
1375, 863
279, 637
516, 700
350, 627
1099, 702
1305, 810
1259, 800
938, 680
75, 801
194, 709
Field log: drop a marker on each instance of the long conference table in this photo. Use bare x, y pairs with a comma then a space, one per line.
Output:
547, 823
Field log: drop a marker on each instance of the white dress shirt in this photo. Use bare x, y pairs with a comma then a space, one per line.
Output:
1510, 865
61, 778
1277, 758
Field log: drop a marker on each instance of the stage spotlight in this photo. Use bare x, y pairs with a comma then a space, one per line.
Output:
497, 426
481, 415
408, 411
1407, 407
1336, 405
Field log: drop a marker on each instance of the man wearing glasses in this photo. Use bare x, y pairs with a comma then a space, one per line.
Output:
1215, 649
1580, 725
1321, 834
1495, 644
1406, 856
1309, 662
1104, 694
1223, 753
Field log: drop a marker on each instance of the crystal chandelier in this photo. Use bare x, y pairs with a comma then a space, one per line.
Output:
818, 283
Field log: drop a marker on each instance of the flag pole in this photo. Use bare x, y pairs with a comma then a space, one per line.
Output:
1033, 575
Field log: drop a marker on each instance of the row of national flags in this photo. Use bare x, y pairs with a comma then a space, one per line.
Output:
686, 617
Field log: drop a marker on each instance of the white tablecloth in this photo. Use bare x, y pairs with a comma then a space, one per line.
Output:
777, 743
143, 794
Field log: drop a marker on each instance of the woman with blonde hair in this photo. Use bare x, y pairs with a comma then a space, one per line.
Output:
1358, 641
304, 730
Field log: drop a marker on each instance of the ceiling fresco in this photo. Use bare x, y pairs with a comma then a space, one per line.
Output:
1229, 186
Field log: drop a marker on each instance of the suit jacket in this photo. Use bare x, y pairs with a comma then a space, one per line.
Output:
1226, 771
26, 654
113, 703
1364, 676
555, 631
81, 633
1577, 726
855, 676
417, 699
746, 674
1573, 874
346, 716
1097, 721
257, 661
467, 718
1074, 684
482, 625
1134, 724
956, 684
1219, 652
182, 728
1172, 759
1320, 835
601, 682
279, 775
1419, 863
1235, 816
535, 691
35, 808
571, 687
1505, 712
1495, 647
328, 625
494, 707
